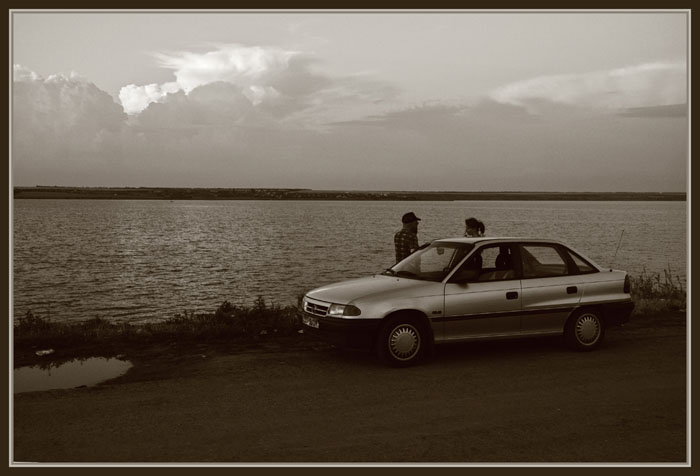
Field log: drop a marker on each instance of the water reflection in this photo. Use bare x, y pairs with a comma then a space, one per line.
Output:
75, 373
143, 260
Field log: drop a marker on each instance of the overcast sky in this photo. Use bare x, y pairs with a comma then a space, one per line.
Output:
460, 101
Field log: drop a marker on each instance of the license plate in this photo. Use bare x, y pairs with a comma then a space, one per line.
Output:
310, 321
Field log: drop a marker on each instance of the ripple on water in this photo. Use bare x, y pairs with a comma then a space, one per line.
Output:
135, 260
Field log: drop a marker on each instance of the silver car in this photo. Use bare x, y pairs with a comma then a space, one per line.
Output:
466, 289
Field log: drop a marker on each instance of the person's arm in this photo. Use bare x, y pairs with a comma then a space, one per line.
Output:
414, 244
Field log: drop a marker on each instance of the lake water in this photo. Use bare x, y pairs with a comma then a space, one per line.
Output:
137, 261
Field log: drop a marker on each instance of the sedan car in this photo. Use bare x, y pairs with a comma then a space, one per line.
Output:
467, 289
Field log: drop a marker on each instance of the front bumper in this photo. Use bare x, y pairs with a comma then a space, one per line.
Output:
347, 333
617, 313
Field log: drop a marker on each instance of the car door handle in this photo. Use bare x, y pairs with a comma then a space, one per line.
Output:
571, 290
512, 295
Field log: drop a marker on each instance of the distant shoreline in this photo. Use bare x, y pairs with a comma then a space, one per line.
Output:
159, 193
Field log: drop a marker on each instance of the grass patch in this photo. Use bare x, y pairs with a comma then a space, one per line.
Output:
228, 324
656, 294
658, 298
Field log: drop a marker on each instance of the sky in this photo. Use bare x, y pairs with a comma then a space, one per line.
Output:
355, 100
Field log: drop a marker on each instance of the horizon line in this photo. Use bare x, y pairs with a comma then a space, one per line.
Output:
152, 187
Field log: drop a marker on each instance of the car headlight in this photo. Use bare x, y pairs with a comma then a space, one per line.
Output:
339, 310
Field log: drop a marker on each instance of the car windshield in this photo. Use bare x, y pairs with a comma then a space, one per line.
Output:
431, 263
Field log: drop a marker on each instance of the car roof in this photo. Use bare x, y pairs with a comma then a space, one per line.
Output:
513, 239
509, 239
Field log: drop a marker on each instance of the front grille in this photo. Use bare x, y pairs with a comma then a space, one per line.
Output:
316, 308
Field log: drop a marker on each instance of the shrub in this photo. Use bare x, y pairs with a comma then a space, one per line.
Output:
653, 294
30, 324
227, 322
656, 294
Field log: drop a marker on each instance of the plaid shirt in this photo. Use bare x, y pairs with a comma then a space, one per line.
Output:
404, 242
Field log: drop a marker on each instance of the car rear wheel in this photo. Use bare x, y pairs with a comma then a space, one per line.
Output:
401, 341
584, 330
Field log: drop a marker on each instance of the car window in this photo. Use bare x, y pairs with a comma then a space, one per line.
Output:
488, 256
540, 261
489, 263
432, 263
581, 264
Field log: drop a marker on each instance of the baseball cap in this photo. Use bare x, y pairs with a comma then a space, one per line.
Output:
409, 217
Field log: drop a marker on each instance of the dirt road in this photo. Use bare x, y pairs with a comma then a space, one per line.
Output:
508, 402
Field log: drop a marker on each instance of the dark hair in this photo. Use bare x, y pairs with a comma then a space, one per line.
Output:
474, 223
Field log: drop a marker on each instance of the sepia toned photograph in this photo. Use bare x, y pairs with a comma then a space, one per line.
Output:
349, 238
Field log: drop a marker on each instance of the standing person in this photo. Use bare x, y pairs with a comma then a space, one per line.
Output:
474, 228
406, 239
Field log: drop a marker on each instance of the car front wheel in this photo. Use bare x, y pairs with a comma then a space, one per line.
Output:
401, 342
584, 330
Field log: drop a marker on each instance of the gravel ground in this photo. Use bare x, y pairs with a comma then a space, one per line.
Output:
526, 401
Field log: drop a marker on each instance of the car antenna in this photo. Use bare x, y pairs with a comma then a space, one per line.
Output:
618, 247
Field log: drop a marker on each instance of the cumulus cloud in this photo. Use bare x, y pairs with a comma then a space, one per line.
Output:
135, 99
645, 85
255, 69
22, 74
241, 65
241, 131
262, 74
60, 117
216, 105
67, 104
279, 82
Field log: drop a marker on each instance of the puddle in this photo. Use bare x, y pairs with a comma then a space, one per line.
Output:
76, 373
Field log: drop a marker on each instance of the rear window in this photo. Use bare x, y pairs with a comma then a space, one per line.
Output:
582, 265
541, 261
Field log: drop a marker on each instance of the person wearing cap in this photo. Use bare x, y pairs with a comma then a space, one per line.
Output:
406, 239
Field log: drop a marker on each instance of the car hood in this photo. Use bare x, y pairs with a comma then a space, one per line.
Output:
364, 289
